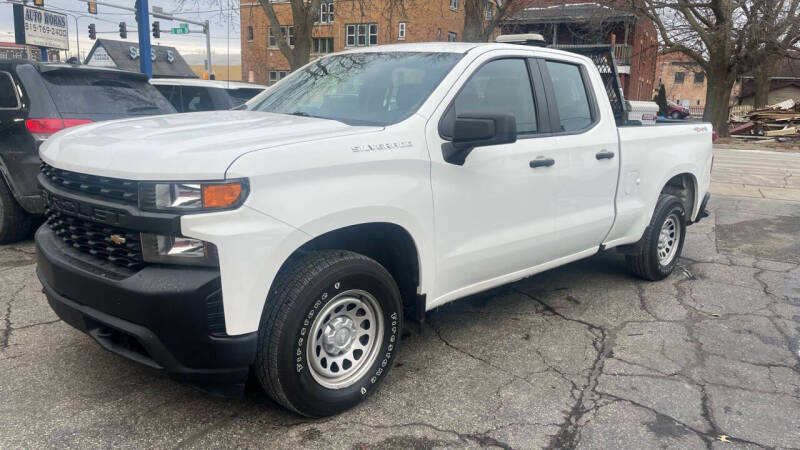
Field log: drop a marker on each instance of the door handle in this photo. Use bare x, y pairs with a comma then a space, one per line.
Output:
604, 154
542, 162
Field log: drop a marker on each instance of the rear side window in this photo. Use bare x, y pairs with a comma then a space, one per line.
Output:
84, 92
240, 96
8, 92
171, 93
574, 109
197, 99
501, 86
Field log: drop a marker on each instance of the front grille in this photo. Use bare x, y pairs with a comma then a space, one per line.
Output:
111, 189
95, 239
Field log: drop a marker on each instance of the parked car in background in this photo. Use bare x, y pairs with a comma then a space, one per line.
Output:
191, 94
39, 99
676, 111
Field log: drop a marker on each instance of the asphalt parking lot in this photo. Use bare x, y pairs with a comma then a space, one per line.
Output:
582, 356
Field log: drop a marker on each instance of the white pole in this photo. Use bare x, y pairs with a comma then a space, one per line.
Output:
207, 30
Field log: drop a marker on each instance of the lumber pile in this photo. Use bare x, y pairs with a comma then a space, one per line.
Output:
781, 120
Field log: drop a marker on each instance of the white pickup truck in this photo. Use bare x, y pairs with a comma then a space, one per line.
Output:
292, 237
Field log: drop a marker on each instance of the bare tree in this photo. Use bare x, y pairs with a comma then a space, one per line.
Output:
482, 17
776, 36
725, 38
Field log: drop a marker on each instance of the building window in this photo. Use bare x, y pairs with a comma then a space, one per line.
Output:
249, 34
401, 31
452, 37
361, 34
439, 34
287, 33
323, 45
276, 75
325, 12
679, 76
699, 78
454, 5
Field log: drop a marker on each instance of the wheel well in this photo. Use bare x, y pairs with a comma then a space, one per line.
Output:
683, 187
388, 244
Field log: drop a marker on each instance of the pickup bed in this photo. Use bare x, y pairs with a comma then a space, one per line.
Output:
293, 236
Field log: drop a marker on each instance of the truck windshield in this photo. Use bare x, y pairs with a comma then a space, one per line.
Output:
359, 88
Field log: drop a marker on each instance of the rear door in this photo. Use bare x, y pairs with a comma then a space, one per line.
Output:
586, 142
99, 95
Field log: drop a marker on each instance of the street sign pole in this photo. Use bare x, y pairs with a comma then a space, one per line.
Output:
143, 20
208, 49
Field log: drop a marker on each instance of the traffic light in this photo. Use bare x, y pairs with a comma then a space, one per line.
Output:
123, 30
92, 7
156, 29
39, 3
92, 32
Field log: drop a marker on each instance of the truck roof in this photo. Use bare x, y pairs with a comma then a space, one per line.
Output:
205, 83
455, 47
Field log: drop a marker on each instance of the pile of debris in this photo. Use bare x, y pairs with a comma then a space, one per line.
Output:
780, 122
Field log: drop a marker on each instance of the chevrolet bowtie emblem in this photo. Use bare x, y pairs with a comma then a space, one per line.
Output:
117, 239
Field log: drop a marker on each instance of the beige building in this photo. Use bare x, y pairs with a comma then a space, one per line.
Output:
684, 81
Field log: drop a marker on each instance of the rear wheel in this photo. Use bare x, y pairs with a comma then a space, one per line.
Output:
15, 222
675, 115
329, 332
663, 241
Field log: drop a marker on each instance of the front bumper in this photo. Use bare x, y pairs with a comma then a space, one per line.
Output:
168, 318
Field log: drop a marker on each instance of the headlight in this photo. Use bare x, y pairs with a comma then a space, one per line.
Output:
162, 249
192, 197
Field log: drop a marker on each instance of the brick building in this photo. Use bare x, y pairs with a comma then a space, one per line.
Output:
343, 24
575, 24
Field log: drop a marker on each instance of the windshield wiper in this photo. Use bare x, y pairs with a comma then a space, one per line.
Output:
143, 108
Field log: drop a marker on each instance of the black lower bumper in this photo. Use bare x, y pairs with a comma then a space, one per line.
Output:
165, 317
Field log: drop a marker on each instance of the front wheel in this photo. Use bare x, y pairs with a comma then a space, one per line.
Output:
663, 241
329, 332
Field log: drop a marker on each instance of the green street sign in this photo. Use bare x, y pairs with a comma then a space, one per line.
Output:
182, 29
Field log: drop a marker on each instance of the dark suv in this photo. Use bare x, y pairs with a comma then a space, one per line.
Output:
39, 99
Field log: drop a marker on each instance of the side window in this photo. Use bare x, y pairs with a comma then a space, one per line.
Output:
172, 94
501, 86
8, 92
196, 99
574, 108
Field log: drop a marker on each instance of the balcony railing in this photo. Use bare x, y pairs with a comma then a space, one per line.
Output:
623, 53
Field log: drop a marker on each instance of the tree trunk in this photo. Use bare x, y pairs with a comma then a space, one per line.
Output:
474, 21
762, 77
720, 84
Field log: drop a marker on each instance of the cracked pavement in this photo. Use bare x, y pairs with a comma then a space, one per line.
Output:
583, 356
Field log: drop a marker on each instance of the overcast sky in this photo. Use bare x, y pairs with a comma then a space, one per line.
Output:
191, 46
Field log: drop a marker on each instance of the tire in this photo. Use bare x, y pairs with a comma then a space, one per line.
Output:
15, 222
302, 325
675, 115
656, 262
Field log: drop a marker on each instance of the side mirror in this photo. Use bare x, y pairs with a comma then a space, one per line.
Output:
478, 130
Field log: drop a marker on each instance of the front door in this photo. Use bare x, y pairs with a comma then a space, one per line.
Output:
495, 213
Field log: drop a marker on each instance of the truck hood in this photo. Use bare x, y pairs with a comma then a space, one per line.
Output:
193, 146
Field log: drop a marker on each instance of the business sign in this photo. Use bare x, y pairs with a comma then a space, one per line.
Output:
36, 26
